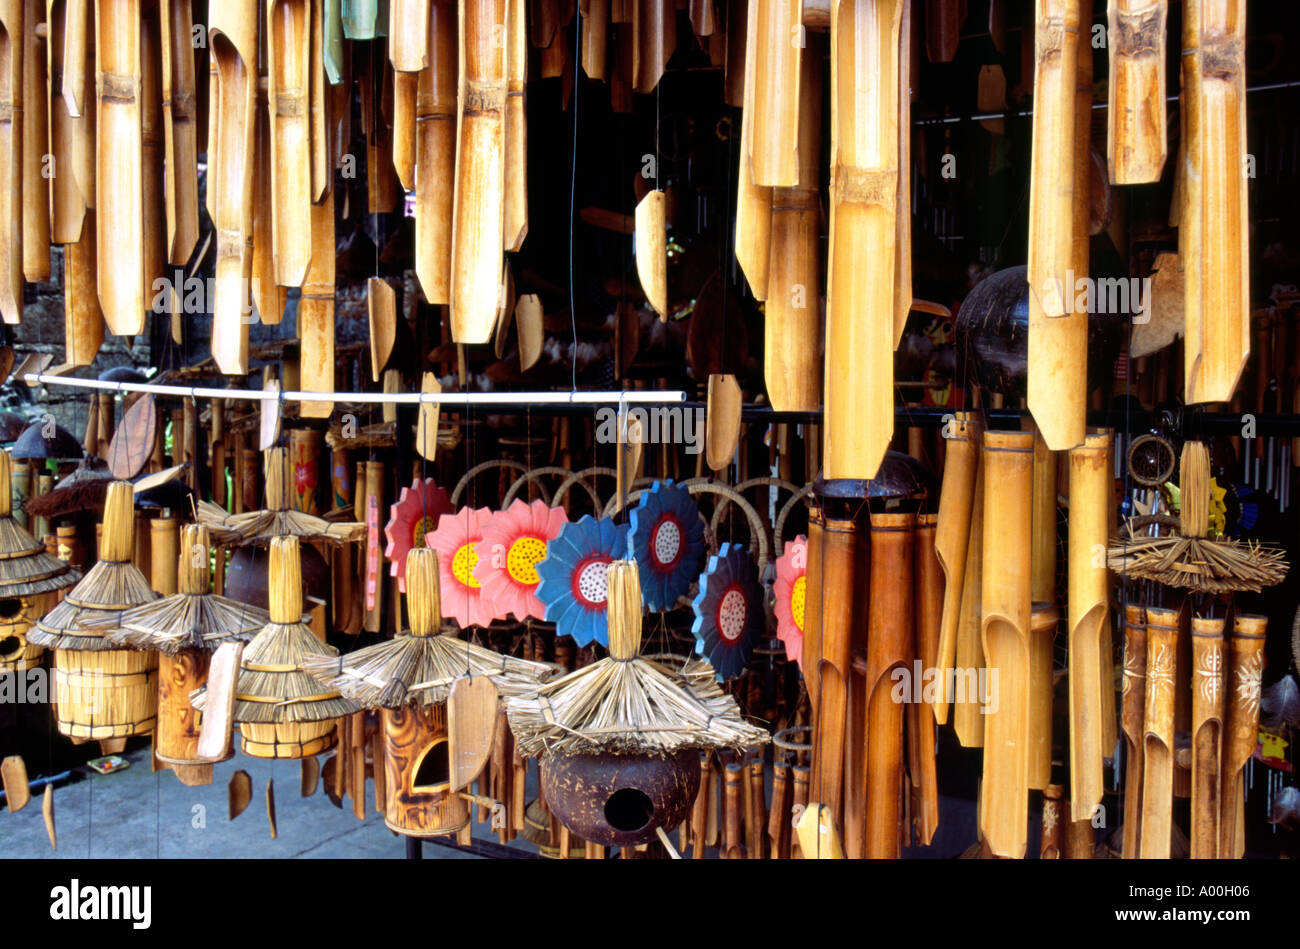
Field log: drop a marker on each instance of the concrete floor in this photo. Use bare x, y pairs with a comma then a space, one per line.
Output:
138, 814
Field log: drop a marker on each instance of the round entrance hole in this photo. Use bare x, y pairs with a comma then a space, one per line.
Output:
629, 810
10, 647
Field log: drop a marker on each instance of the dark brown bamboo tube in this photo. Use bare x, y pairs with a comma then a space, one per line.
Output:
802, 783
35, 146
1053, 821
700, 809
152, 136
1133, 691
595, 33
755, 811
1080, 840
1158, 733
515, 225
1207, 735
921, 737
812, 634
732, 842
778, 818
1241, 733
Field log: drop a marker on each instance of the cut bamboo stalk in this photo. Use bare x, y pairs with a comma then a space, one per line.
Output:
1186, 209
364, 19
903, 201
316, 312
405, 88
426, 432
753, 239
1207, 735
775, 54
478, 215
82, 321
968, 721
408, 44
435, 132
35, 145
1241, 734
79, 54
704, 21
180, 130
1008, 465
890, 646
530, 329
119, 175
322, 174
962, 439
374, 505
1043, 556
1158, 734
152, 169
732, 843
12, 47
1135, 130
755, 811
288, 44
654, 39
1054, 819
595, 32
1219, 79
232, 34
812, 631
942, 29
700, 809
332, 41
792, 354
382, 310
1058, 332
267, 296
1090, 500
651, 239
778, 818
516, 132
861, 268
921, 737
1133, 691
1043, 622
67, 209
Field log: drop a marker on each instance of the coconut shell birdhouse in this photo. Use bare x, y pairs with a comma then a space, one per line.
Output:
282, 711
618, 741
438, 700
103, 691
29, 581
185, 629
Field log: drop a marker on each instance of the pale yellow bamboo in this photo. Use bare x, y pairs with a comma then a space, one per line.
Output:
516, 157
1207, 735
957, 498
776, 55
1158, 735
405, 93
288, 44
316, 312
651, 238
67, 209
753, 202
1136, 139
903, 241
408, 35
968, 720
11, 161
179, 130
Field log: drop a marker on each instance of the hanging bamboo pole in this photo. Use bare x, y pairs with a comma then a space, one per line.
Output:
1134, 699
478, 216
776, 54
406, 87
1008, 463
152, 168
408, 43
1043, 621
595, 33
288, 44
316, 312
435, 130
322, 171
36, 125
179, 129
860, 298
1058, 332
83, 323
232, 34
516, 146
67, 209
1241, 734
753, 238
268, 297
11, 161
921, 738
654, 39
1135, 130
792, 354
1158, 734
811, 654
1207, 734
952, 536
968, 721
903, 201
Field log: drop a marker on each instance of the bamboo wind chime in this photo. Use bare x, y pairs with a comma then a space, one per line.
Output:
435, 133
11, 161
1136, 139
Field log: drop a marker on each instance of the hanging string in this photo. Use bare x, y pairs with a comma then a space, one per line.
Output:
573, 188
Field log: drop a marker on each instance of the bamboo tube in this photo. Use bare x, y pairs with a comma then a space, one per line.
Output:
405, 88
478, 214
35, 144
232, 33
1134, 697
316, 312
374, 585
435, 131
890, 645
792, 356
1207, 734
322, 171
1241, 734
163, 551
1080, 841
700, 809
1090, 499
863, 230
152, 136
1008, 464
775, 144
968, 722
180, 129
732, 806
332, 41
595, 32
802, 779
753, 238
79, 76
921, 738
268, 297
812, 633
1043, 621
654, 39
516, 129
11, 160
1186, 209
962, 438
903, 199
1158, 734
82, 321
1058, 331
1054, 820
288, 44
1043, 555
778, 818
651, 238
1214, 362
1135, 130
843, 565
756, 812
408, 42
67, 209
119, 169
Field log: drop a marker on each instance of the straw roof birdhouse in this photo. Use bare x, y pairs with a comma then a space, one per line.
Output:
29, 580
103, 691
282, 711
185, 629
435, 741
618, 740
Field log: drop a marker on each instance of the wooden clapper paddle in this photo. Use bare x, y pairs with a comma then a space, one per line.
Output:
1241, 734
477, 236
861, 270
11, 162
1207, 734
471, 728
1135, 120
962, 441
288, 44
233, 35
722, 421
1133, 703
435, 147
218, 713
1214, 222
651, 240
1008, 464
1058, 330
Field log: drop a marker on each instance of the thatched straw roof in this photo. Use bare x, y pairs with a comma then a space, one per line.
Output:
25, 568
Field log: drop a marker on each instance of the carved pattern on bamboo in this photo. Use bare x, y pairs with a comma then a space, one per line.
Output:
1209, 673
1248, 673
1160, 676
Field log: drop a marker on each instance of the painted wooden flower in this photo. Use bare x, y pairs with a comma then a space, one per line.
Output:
791, 597
728, 611
514, 542
415, 514
666, 539
454, 539
573, 586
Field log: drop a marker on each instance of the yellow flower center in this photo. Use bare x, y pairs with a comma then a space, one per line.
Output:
522, 560
797, 597
463, 563
422, 527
